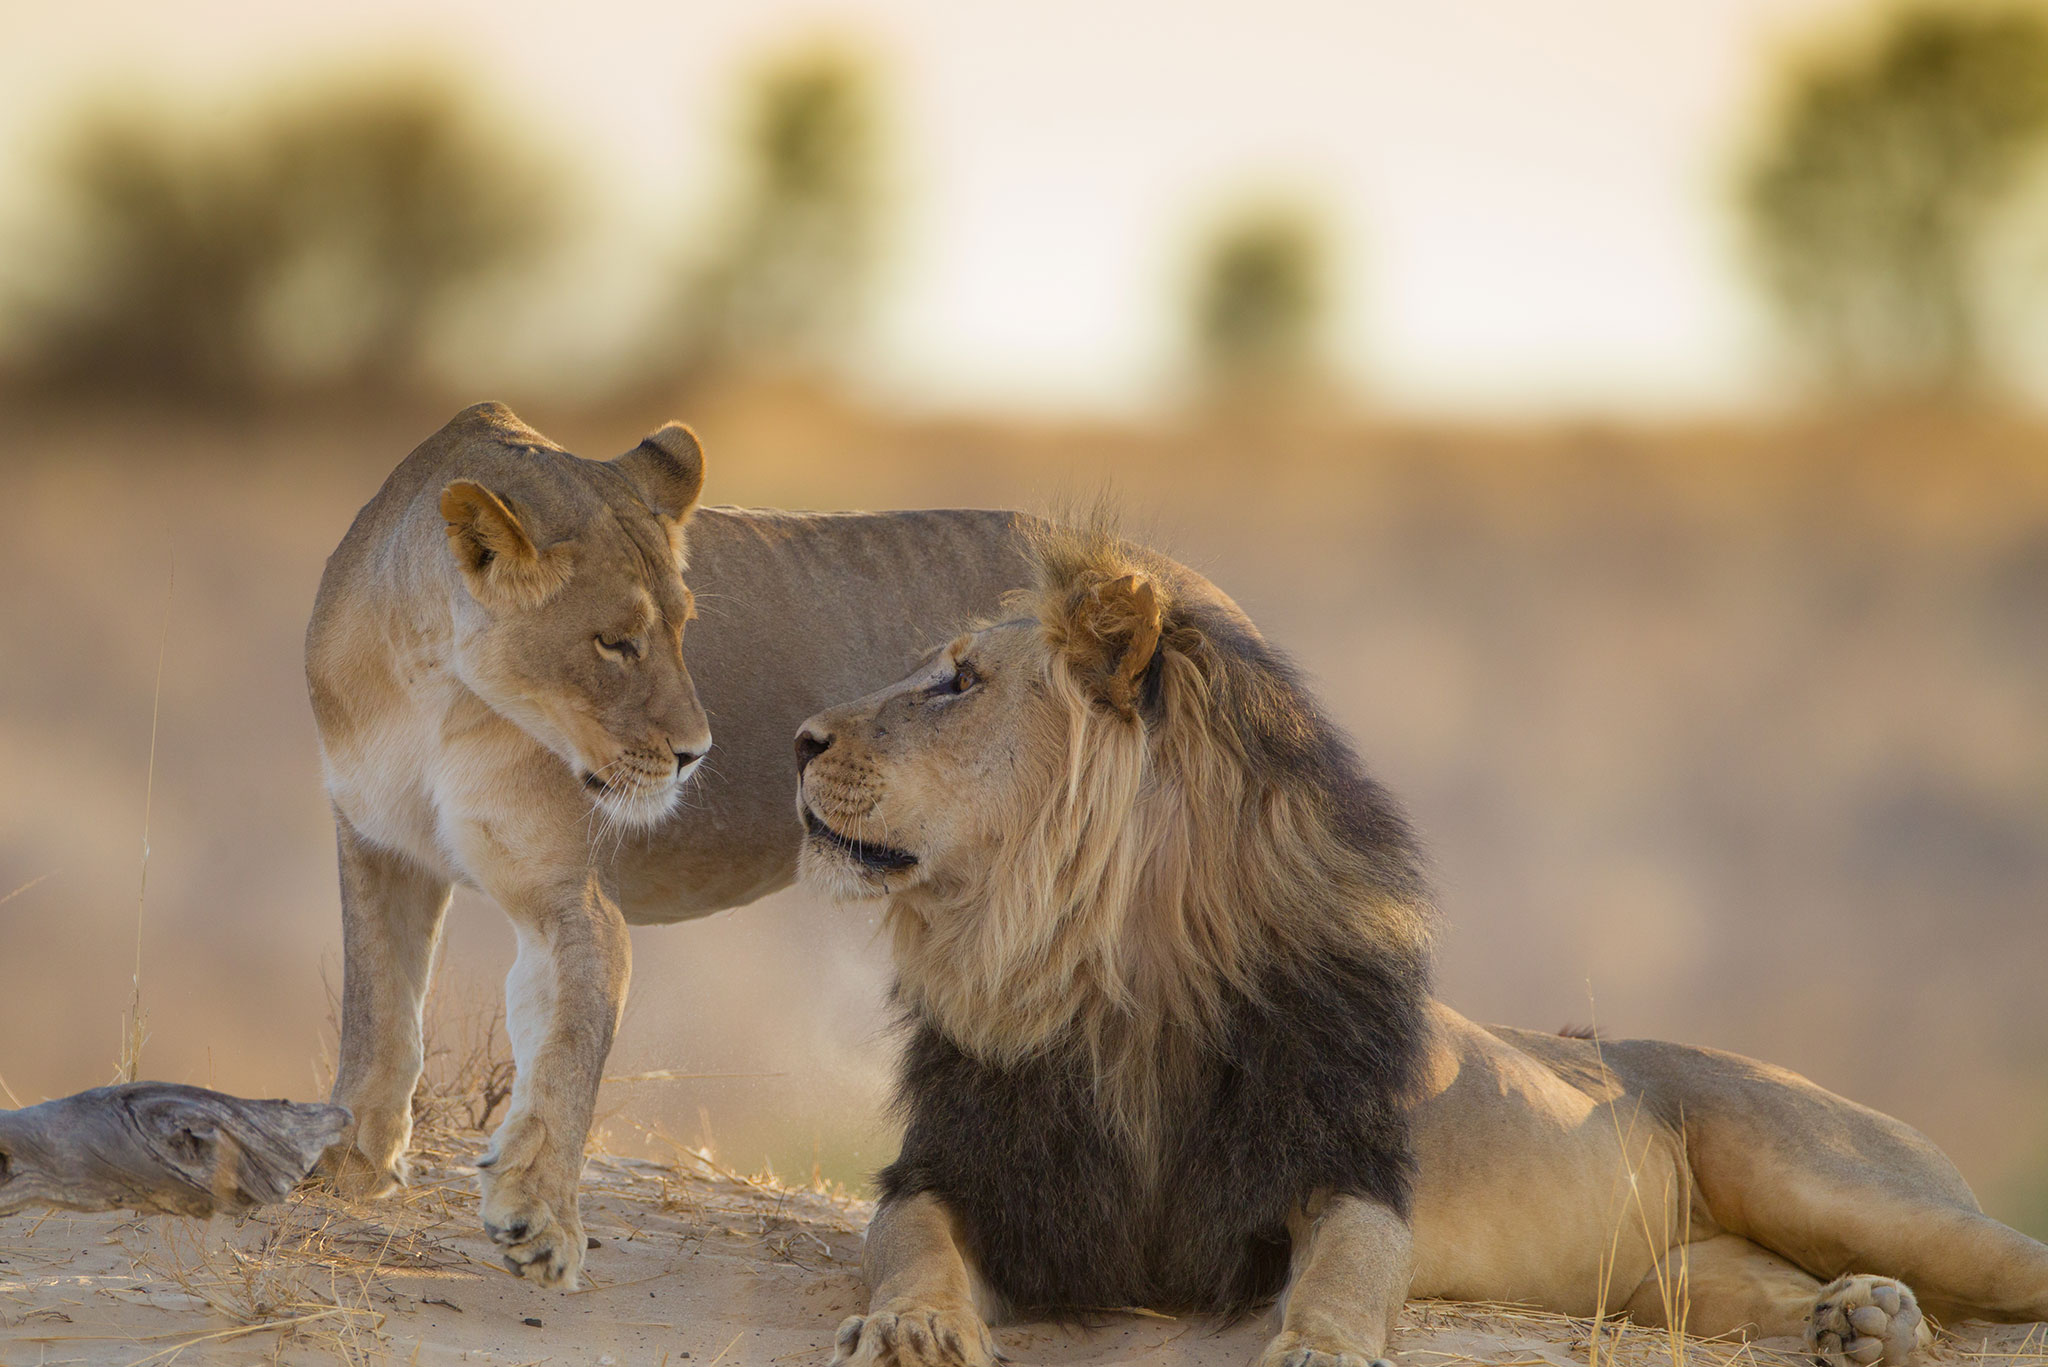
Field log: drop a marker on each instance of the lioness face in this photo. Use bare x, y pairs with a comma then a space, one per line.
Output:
575, 633
911, 783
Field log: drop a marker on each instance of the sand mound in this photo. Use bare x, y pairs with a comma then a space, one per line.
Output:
694, 1264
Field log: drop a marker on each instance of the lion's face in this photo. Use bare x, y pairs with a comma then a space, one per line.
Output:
571, 624
920, 782
912, 782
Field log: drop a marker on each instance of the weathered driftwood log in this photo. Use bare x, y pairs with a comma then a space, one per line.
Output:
159, 1148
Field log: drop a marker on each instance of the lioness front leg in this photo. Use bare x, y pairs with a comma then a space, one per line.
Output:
921, 1312
391, 914
1352, 1264
562, 1004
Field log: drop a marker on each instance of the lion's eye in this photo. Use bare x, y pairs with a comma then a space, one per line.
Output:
965, 676
626, 647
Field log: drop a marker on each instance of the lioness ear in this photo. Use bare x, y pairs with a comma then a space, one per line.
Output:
667, 467
496, 556
1112, 635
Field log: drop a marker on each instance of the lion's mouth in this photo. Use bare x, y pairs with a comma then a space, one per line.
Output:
880, 858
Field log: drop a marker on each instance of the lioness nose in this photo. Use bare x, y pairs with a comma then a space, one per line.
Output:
810, 745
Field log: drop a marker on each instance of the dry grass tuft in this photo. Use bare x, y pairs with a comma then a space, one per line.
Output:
287, 1274
468, 1079
310, 1268
1437, 1333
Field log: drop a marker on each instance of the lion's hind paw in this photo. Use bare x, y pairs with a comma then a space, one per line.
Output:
1863, 1321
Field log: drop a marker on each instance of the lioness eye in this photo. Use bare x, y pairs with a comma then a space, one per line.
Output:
621, 645
964, 677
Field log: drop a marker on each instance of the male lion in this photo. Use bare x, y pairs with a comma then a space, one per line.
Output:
1162, 947
497, 673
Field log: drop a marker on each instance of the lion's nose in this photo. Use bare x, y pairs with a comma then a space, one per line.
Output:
810, 745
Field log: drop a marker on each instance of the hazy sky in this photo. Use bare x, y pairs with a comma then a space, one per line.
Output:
1531, 193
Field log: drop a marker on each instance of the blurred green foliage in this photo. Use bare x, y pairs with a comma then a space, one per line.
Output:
1873, 199
788, 274
1260, 299
318, 240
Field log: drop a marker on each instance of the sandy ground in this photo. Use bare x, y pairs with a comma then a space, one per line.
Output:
694, 1264
1678, 710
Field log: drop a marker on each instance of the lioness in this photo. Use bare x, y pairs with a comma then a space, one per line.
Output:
1162, 948
496, 666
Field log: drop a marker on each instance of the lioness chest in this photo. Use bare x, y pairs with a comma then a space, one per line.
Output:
437, 758
382, 771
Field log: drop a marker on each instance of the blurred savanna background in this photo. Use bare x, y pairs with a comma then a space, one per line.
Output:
1632, 415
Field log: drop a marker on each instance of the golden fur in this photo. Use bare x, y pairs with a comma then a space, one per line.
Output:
1095, 850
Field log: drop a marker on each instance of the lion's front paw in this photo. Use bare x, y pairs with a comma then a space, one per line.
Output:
916, 1336
537, 1238
1866, 1320
1290, 1349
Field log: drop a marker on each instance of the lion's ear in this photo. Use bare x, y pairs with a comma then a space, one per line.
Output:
667, 467
1112, 635
498, 559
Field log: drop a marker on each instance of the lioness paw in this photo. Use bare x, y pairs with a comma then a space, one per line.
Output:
534, 1241
357, 1178
915, 1336
367, 1160
1866, 1321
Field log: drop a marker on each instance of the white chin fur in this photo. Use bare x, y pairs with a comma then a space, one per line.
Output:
641, 810
647, 807
828, 872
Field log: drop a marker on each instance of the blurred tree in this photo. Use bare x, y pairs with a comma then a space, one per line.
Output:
1259, 301
1871, 202
321, 241
163, 253
789, 276
399, 199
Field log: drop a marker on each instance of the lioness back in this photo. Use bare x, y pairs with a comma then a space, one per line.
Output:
795, 609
